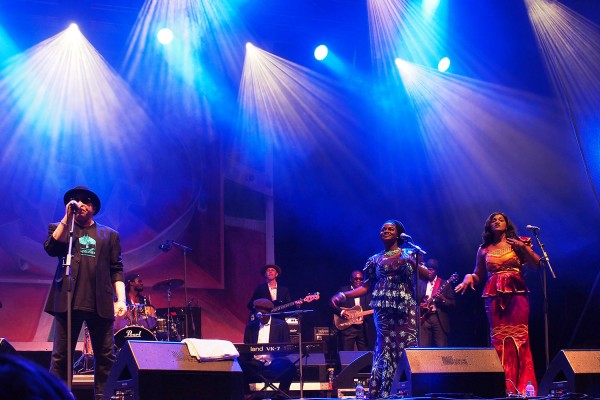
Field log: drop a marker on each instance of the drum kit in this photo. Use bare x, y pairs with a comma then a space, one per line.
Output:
141, 322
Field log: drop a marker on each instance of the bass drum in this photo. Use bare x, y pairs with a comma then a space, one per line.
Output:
133, 333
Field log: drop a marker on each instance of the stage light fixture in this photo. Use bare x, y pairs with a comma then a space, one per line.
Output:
402, 65
165, 36
72, 31
321, 52
249, 47
444, 64
430, 6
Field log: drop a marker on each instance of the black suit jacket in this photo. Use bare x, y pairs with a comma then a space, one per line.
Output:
109, 269
442, 308
279, 332
262, 292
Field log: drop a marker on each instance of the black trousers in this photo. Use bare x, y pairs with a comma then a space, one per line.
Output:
432, 334
101, 336
354, 334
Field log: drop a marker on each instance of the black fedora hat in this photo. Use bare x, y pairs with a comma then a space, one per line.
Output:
82, 190
276, 267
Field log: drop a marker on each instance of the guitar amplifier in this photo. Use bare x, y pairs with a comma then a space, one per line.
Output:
322, 333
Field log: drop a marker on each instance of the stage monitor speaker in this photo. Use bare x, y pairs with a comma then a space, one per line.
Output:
579, 368
348, 357
352, 363
166, 370
6, 347
314, 367
426, 371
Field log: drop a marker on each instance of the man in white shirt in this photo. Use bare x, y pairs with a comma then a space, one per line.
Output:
435, 322
268, 329
359, 335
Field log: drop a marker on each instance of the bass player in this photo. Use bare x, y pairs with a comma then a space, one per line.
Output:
437, 301
355, 327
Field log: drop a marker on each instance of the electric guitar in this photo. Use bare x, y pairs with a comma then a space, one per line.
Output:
307, 299
427, 306
355, 317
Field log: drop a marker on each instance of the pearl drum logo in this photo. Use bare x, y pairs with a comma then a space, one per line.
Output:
129, 334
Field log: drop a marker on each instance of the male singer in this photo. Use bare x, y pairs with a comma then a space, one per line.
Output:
97, 274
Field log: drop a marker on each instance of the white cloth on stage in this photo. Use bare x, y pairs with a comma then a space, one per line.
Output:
211, 349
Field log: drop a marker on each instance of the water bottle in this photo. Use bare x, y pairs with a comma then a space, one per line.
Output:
330, 377
529, 390
360, 391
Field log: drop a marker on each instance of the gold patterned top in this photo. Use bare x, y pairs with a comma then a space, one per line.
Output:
504, 270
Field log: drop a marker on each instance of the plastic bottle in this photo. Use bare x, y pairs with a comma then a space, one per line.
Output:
360, 391
330, 377
529, 390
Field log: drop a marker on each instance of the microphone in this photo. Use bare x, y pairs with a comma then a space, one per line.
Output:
406, 237
166, 246
532, 228
74, 206
259, 314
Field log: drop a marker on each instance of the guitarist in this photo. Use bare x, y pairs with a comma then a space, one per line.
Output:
361, 335
271, 290
435, 323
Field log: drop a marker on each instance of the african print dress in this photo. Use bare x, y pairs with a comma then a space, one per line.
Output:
391, 278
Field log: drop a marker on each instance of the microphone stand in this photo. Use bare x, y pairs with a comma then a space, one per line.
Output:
546, 260
416, 251
187, 308
67, 265
298, 314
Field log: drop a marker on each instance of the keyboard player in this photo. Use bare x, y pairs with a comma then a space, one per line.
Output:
272, 366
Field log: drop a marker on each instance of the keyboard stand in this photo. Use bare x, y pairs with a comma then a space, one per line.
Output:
269, 383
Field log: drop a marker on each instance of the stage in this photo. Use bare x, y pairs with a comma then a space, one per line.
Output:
146, 369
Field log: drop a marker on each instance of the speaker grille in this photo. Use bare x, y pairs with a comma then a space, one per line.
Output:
424, 371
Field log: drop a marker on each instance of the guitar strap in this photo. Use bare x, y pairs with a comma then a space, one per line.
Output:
436, 285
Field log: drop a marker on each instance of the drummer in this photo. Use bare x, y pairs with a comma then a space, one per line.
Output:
140, 310
134, 286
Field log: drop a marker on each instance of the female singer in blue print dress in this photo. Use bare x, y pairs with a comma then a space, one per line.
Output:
389, 274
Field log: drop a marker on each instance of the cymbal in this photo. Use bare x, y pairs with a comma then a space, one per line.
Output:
163, 286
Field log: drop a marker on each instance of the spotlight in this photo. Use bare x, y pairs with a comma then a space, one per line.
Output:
402, 65
321, 52
444, 64
73, 34
165, 36
430, 6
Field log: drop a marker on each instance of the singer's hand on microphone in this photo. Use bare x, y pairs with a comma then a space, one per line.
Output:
73, 207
